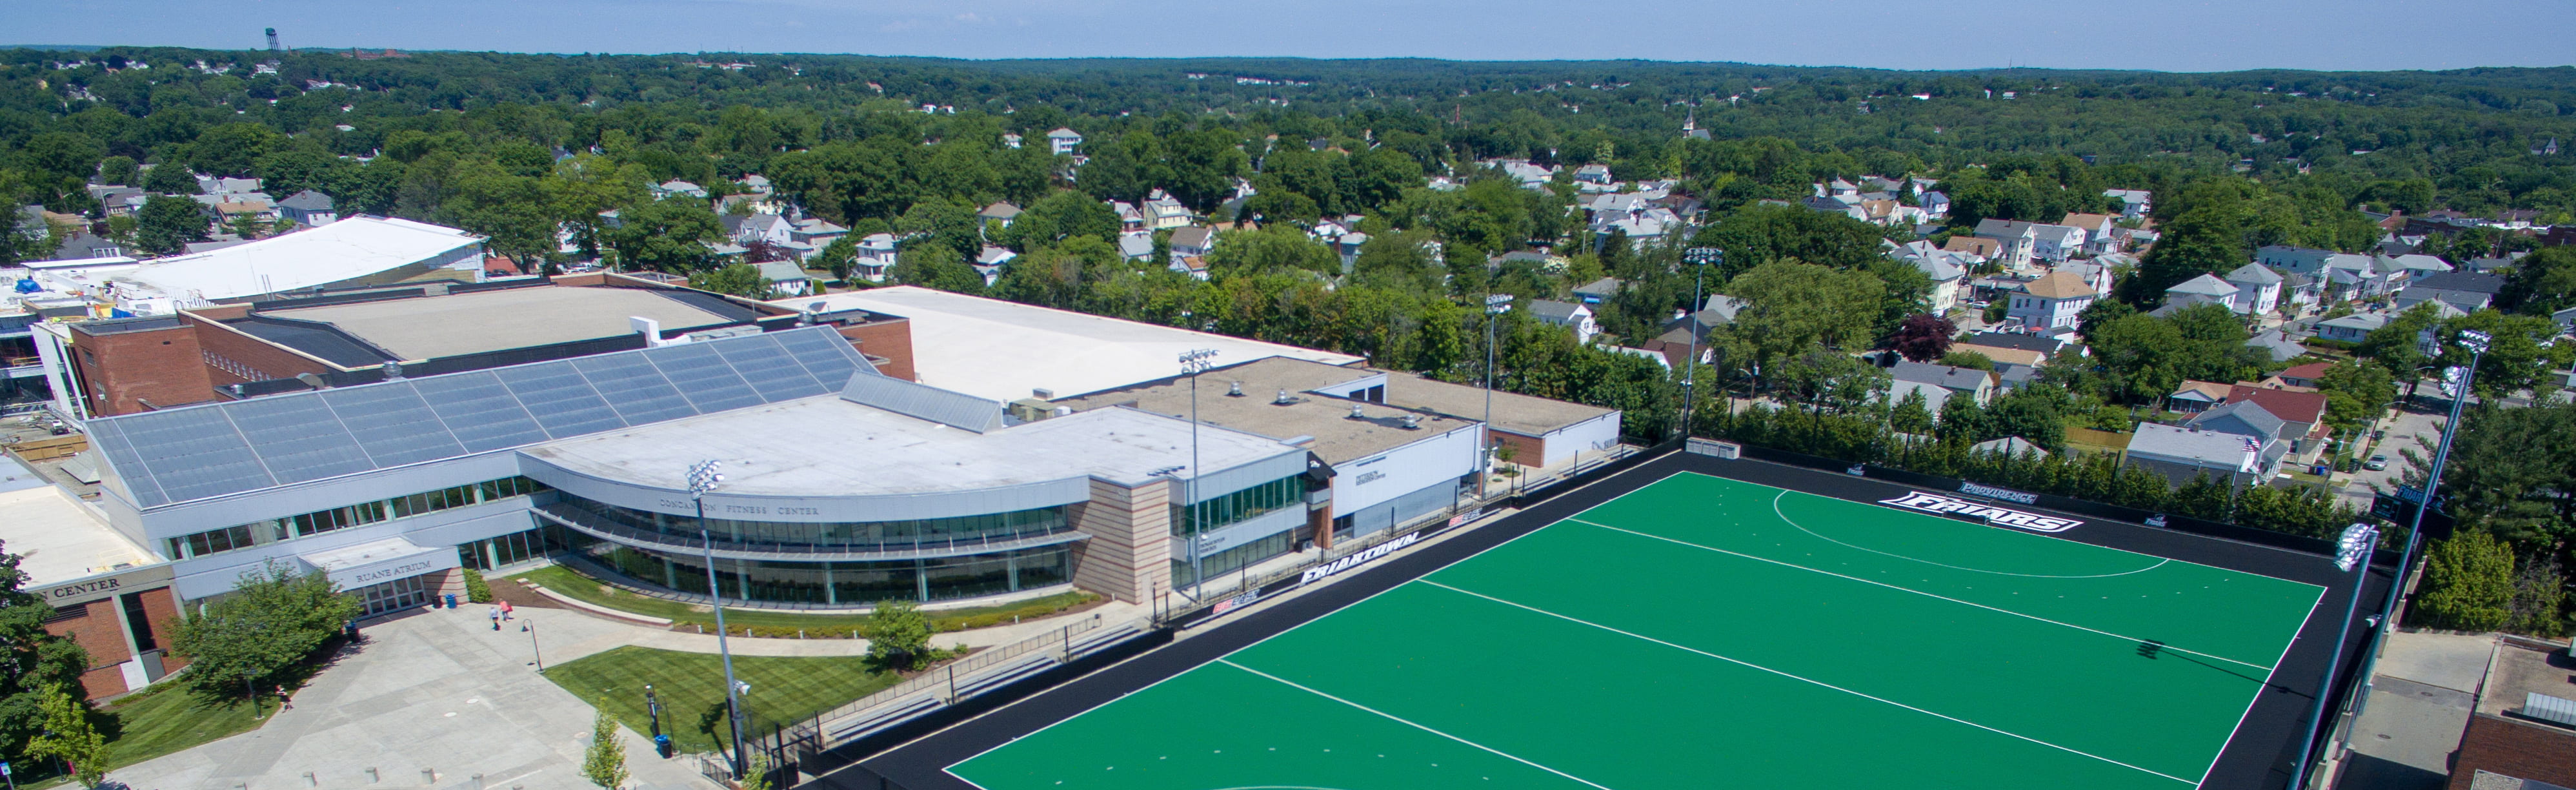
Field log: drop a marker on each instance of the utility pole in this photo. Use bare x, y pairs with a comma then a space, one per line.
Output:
1495, 306
1698, 258
1193, 363
703, 479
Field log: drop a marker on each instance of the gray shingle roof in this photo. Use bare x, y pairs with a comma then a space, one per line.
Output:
1945, 376
2244, 418
2253, 273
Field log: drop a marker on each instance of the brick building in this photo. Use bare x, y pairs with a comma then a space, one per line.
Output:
2520, 736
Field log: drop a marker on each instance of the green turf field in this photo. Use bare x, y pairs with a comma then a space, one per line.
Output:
1701, 632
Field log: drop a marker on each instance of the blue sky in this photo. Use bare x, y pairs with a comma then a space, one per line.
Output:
2173, 35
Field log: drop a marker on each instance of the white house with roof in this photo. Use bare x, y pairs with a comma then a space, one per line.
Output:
1063, 141
2050, 304
1570, 315
308, 208
2258, 290
2352, 328
876, 254
1161, 211
2133, 202
2204, 289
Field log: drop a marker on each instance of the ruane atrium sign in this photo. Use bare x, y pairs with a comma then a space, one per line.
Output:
1936, 503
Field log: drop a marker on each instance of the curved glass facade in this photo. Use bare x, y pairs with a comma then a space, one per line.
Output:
936, 534
843, 583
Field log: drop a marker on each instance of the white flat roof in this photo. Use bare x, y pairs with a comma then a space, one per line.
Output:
1002, 350
826, 446
340, 251
59, 538
466, 323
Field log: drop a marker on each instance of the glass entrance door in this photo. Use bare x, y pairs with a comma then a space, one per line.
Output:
402, 593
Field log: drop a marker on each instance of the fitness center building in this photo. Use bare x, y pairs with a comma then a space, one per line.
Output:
844, 485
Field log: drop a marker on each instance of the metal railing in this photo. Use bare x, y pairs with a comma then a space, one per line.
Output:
611, 528
1056, 643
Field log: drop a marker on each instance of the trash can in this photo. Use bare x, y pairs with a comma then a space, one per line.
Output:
451, 600
662, 745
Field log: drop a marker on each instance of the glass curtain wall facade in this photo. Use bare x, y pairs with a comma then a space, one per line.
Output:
866, 536
842, 583
1220, 512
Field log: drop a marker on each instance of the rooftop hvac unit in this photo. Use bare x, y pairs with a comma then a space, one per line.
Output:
1357, 413
2550, 709
1413, 422
1283, 398
1234, 390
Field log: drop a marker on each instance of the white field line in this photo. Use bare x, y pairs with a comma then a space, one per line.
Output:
1409, 723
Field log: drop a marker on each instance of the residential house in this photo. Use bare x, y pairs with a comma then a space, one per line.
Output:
308, 208
1984, 248
2306, 375
2009, 445
678, 188
815, 233
2204, 289
2417, 265
1597, 291
1136, 246
2469, 292
2014, 348
1012, 141
990, 261
1947, 275
756, 184
1572, 315
1592, 174
2133, 202
2278, 344
1063, 141
2196, 396
2566, 320
2491, 265
1192, 242
2050, 304
1348, 247
2095, 273
876, 256
2352, 328
1130, 218
2182, 454
2097, 231
1978, 385
2025, 242
81, 244
787, 278
2258, 290
2343, 277
2243, 418
2303, 414
760, 229
1164, 212
1934, 204
1002, 212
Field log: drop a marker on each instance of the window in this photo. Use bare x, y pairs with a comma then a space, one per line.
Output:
1223, 510
210, 541
337, 518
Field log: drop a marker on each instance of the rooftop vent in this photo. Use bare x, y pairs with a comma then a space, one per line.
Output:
1357, 413
311, 380
1235, 390
1283, 399
393, 371
1413, 422
1042, 393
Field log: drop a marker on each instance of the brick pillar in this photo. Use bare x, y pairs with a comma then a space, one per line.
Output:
1129, 555
1320, 521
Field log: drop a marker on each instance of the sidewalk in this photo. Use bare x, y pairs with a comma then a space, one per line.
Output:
438, 690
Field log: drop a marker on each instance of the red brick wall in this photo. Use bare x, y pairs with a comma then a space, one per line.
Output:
97, 631
267, 358
2537, 752
161, 609
891, 339
1526, 450
121, 370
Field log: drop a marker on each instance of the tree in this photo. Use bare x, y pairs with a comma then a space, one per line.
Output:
2521, 355
604, 762
2468, 583
1923, 337
838, 257
935, 266
168, 224
1968, 359
118, 170
665, 235
1910, 415
741, 279
1794, 306
273, 618
898, 635
70, 736
2543, 282
40, 663
1271, 248
2399, 344
170, 179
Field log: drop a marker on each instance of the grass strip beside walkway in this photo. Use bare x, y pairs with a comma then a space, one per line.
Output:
691, 687
760, 622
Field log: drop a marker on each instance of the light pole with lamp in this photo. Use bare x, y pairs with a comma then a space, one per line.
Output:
2476, 342
1698, 258
1193, 363
2351, 553
703, 479
1495, 306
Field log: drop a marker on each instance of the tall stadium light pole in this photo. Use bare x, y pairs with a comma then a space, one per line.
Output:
703, 479
1698, 258
2476, 342
2352, 555
1495, 306
1193, 363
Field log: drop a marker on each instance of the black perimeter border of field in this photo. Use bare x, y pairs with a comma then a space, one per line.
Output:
2257, 757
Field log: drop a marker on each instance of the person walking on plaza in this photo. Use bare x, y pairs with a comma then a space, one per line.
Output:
505, 610
496, 618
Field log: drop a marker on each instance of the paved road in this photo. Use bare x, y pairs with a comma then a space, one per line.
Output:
2412, 430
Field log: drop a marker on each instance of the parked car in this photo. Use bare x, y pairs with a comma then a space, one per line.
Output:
2377, 463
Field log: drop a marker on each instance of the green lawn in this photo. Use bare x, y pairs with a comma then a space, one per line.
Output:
572, 584
160, 721
691, 687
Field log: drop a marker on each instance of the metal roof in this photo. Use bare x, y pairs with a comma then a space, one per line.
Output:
197, 452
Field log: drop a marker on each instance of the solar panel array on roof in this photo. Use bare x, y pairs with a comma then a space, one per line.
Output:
206, 451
